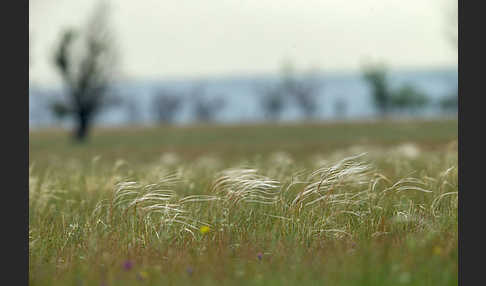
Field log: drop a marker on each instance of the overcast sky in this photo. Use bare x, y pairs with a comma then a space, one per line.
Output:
193, 38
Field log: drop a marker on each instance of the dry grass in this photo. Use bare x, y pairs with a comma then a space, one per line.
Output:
386, 217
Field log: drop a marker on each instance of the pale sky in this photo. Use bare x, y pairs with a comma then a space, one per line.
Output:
193, 38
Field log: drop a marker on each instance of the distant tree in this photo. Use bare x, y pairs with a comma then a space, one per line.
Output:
305, 93
303, 90
205, 108
86, 69
273, 102
408, 98
165, 105
375, 75
449, 104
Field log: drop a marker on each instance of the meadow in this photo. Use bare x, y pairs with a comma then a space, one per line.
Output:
355, 203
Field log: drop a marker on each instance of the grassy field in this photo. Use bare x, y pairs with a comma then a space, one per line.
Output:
317, 204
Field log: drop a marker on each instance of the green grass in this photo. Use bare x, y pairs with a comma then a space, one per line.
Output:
293, 213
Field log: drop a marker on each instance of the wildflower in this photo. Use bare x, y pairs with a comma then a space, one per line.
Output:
127, 265
259, 256
204, 229
189, 270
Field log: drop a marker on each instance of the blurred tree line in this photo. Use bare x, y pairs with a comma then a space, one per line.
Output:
290, 89
86, 60
406, 99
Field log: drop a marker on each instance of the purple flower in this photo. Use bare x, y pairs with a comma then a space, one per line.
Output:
189, 270
127, 265
260, 256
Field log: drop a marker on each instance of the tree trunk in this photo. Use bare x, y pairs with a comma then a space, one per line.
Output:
82, 126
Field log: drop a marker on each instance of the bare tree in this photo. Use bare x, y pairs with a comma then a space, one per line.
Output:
85, 60
205, 108
376, 77
305, 93
273, 102
304, 90
165, 105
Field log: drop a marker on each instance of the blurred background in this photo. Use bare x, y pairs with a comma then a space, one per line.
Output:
151, 62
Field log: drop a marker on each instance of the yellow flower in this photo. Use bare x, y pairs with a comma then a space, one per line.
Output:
437, 250
143, 275
204, 229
